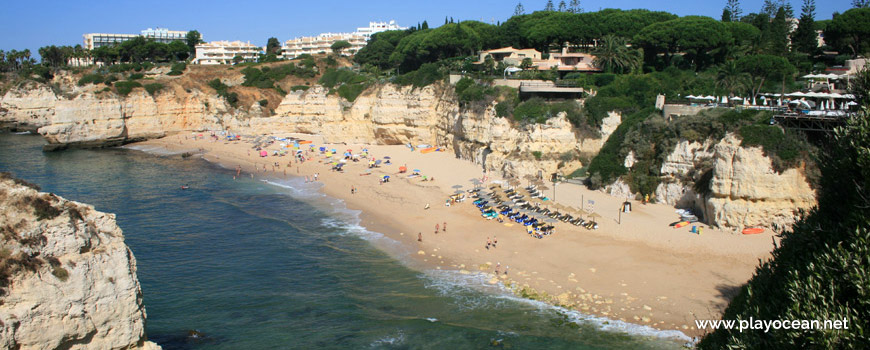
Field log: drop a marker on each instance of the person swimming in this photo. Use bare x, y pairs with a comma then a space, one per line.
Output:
185, 186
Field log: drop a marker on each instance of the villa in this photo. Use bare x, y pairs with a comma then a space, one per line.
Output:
161, 35
563, 61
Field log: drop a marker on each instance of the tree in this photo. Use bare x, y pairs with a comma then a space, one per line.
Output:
779, 29
696, 37
425, 25
549, 7
273, 46
613, 55
764, 67
238, 59
731, 78
861, 4
850, 31
563, 7
574, 6
179, 50
193, 38
804, 39
526, 63
733, 8
726, 15
489, 64
339, 46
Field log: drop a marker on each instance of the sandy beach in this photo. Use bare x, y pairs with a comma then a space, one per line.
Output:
635, 268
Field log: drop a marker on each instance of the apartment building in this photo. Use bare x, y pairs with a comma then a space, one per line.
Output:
223, 52
163, 35
323, 43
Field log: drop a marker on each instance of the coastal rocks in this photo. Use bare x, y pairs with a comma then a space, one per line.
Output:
745, 190
686, 158
28, 108
70, 281
96, 119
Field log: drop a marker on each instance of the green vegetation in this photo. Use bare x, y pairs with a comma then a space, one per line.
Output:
223, 91
125, 87
428, 74
299, 87
266, 77
820, 269
339, 46
136, 76
346, 83
94, 78
153, 88
177, 68
652, 139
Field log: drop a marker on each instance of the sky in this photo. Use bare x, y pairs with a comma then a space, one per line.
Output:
33, 24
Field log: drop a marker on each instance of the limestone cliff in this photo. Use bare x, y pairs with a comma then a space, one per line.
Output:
68, 280
743, 190
90, 118
389, 114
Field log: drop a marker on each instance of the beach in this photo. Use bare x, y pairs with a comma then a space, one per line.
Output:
635, 268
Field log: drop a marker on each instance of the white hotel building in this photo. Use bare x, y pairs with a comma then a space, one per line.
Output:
223, 52
322, 43
162, 35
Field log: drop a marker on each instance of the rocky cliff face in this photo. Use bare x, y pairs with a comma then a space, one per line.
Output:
89, 118
68, 280
744, 189
391, 114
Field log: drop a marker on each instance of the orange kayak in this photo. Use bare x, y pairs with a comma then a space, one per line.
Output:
681, 224
752, 230
304, 142
427, 150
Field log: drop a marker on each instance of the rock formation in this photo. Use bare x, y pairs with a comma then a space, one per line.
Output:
68, 280
744, 189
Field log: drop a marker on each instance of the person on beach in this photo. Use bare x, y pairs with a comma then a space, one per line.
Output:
419, 236
488, 243
506, 270
436, 228
444, 227
494, 241
497, 267
315, 176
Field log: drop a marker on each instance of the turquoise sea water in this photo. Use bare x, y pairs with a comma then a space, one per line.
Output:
254, 265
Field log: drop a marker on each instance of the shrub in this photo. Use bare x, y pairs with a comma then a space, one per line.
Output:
94, 78
263, 102
174, 72
427, 74
537, 154
136, 76
153, 88
125, 87
299, 87
265, 77
347, 83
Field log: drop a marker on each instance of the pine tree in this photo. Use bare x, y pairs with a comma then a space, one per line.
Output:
519, 10
726, 15
779, 33
733, 7
804, 38
574, 6
425, 25
550, 7
563, 7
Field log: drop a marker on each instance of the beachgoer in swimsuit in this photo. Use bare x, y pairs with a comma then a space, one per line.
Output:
445, 227
436, 229
419, 236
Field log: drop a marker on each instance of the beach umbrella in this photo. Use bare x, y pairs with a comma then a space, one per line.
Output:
416, 170
594, 215
514, 182
378, 161
403, 169
387, 157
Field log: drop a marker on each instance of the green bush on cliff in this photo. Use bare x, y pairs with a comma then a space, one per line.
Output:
427, 74
153, 88
266, 77
347, 83
821, 269
94, 78
223, 91
125, 87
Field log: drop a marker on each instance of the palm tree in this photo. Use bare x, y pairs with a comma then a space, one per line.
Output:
729, 77
613, 55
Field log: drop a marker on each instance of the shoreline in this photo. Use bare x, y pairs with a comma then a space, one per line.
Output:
639, 272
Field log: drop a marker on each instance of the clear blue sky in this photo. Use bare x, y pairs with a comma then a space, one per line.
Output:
32, 23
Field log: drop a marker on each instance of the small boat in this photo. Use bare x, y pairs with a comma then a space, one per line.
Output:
752, 230
681, 224
184, 187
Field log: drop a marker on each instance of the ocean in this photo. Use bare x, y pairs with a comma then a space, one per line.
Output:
246, 264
